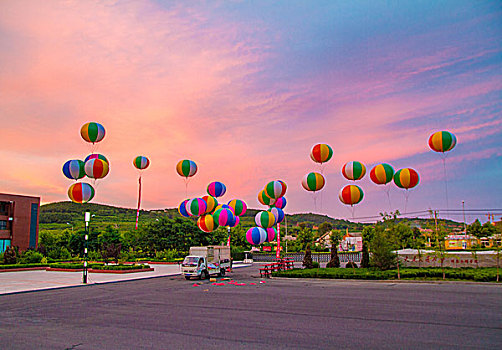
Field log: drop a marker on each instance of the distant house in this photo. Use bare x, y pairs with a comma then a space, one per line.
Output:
350, 242
19, 217
456, 241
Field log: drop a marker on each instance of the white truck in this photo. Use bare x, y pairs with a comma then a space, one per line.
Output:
205, 261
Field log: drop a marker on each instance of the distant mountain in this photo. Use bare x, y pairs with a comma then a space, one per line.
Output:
69, 212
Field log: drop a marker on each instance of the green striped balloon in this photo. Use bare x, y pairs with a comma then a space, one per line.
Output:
265, 219
313, 182
354, 170
186, 168
238, 206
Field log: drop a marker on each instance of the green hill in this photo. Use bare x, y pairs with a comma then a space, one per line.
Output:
61, 215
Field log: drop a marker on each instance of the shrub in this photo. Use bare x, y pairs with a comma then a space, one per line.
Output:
351, 265
59, 253
315, 265
31, 256
10, 256
166, 255
334, 260
94, 255
307, 259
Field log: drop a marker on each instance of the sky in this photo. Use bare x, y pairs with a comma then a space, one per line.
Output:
246, 89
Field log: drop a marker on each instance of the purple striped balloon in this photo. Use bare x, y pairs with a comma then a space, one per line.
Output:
256, 235
224, 217
216, 189
271, 232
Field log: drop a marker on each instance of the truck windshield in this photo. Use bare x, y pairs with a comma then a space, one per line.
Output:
190, 261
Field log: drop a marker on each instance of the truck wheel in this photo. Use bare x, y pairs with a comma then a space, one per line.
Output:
222, 272
187, 277
204, 275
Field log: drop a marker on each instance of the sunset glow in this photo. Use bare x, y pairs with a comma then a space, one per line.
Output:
245, 89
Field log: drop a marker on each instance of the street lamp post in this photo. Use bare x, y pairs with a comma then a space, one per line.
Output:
87, 219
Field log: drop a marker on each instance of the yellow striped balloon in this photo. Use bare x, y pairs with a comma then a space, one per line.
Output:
442, 141
264, 199
351, 194
382, 174
321, 153
406, 178
207, 223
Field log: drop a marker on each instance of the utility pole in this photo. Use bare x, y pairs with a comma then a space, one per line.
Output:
87, 219
463, 212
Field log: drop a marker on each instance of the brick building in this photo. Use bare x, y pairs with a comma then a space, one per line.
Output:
18, 221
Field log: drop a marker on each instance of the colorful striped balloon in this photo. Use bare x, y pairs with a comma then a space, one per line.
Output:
278, 214
238, 206
264, 199
265, 219
351, 194
216, 189
321, 153
206, 223
211, 202
224, 206
271, 232
354, 170
141, 162
74, 169
186, 168
96, 156
406, 178
256, 235
182, 209
235, 222
280, 203
442, 141
382, 174
275, 189
92, 132
81, 192
196, 207
224, 217
96, 168
313, 182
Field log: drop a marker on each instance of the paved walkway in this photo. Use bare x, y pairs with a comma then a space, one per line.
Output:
23, 281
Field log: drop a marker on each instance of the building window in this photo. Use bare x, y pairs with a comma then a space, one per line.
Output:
4, 243
3, 224
4, 208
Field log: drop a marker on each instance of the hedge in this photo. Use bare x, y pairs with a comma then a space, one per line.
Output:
470, 274
121, 267
20, 266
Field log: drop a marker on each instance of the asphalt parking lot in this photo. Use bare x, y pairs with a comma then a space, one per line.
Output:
247, 312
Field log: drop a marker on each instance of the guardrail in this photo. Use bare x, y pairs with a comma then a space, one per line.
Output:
318, 257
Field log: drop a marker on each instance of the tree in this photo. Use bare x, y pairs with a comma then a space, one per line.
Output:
324, 227
367, 236
76, 241
307, 259
110, 243
335, 241
305, 237
178, 233
381, 249
474, 229
488, 230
